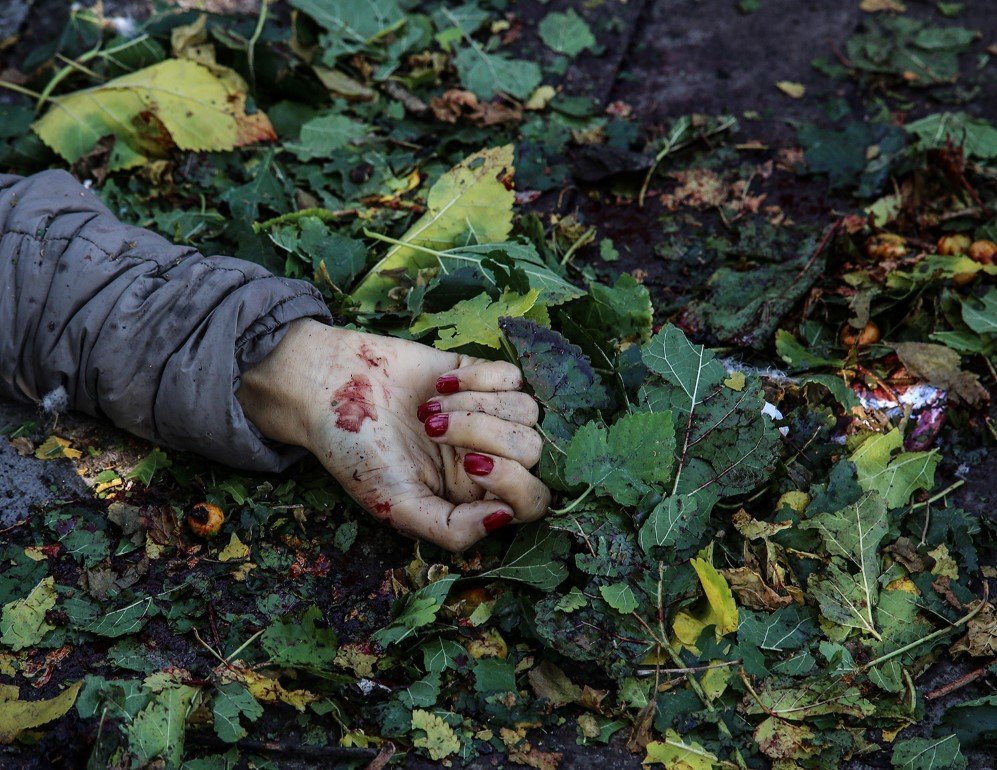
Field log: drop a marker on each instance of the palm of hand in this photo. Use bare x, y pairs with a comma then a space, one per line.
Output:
378, 408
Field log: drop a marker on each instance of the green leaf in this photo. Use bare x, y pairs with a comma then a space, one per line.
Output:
487, 74
158, 729
690, 367
561, 376
852, 534
674, 520
571, 601
566, 33
637, 451
22, 623
149, 466
788, 628
929, 754
126, 620
799, 357
325, 135
475, 321
982, 318
494, 675
535, 557
232, 700
488, 260
423, 692
621, 312
726, 446
976, 136
351, 26
469, 203
418, 609
897, 479
620, 597
441, 654
299, 643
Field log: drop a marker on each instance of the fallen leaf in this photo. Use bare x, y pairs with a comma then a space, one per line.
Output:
17, 715
788, 87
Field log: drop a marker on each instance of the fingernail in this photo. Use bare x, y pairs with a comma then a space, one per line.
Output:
428, 410
478, 465
496, 520
448, 383
437, 425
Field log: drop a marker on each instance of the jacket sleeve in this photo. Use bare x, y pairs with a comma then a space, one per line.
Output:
150, 335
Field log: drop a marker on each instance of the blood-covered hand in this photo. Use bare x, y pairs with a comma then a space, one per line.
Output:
437, 444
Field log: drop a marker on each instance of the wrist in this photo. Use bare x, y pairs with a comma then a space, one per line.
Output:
281, 394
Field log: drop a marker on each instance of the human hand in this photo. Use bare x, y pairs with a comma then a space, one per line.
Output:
437, 444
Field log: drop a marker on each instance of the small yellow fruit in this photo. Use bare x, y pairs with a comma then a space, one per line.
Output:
868, 336
982, 252
950, 245
205, 519
886, 246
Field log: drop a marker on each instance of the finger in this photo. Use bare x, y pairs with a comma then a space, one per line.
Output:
510, 482
487, 376
484, 433
454, 527
509, 405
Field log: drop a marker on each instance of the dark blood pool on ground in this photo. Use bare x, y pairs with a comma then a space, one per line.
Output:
352, 404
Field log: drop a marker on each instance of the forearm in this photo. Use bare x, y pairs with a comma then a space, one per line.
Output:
153, 336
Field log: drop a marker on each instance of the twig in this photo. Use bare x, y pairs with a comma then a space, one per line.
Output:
934, 499
383, 757
930, 637
962, 681
687, 669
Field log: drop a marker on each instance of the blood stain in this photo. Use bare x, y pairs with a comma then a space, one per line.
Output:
382, 507
368, 357
352, 404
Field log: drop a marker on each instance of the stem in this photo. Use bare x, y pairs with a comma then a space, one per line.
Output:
948, 490
246, 643
585, 238
578, 501
396, 242
324, 214
19, 89
261, 20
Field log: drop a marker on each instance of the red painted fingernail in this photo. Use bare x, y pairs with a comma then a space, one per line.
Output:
437, 425
428, 410
448, 383
478, 465
496, 520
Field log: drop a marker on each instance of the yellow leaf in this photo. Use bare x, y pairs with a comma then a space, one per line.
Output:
35, 553
876, 6
439, 738
678, 754
719, 608
175, 103
236, 550
945, 565
265, 689
56, 447
736, 381
540, 98
472, 197
17, 715
788, 87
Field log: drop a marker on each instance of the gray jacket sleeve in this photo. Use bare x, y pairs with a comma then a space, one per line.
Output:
150, 335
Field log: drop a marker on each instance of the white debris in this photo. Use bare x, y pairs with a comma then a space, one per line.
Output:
56, 402
773, 411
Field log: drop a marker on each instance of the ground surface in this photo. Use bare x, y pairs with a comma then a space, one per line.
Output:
666, 59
